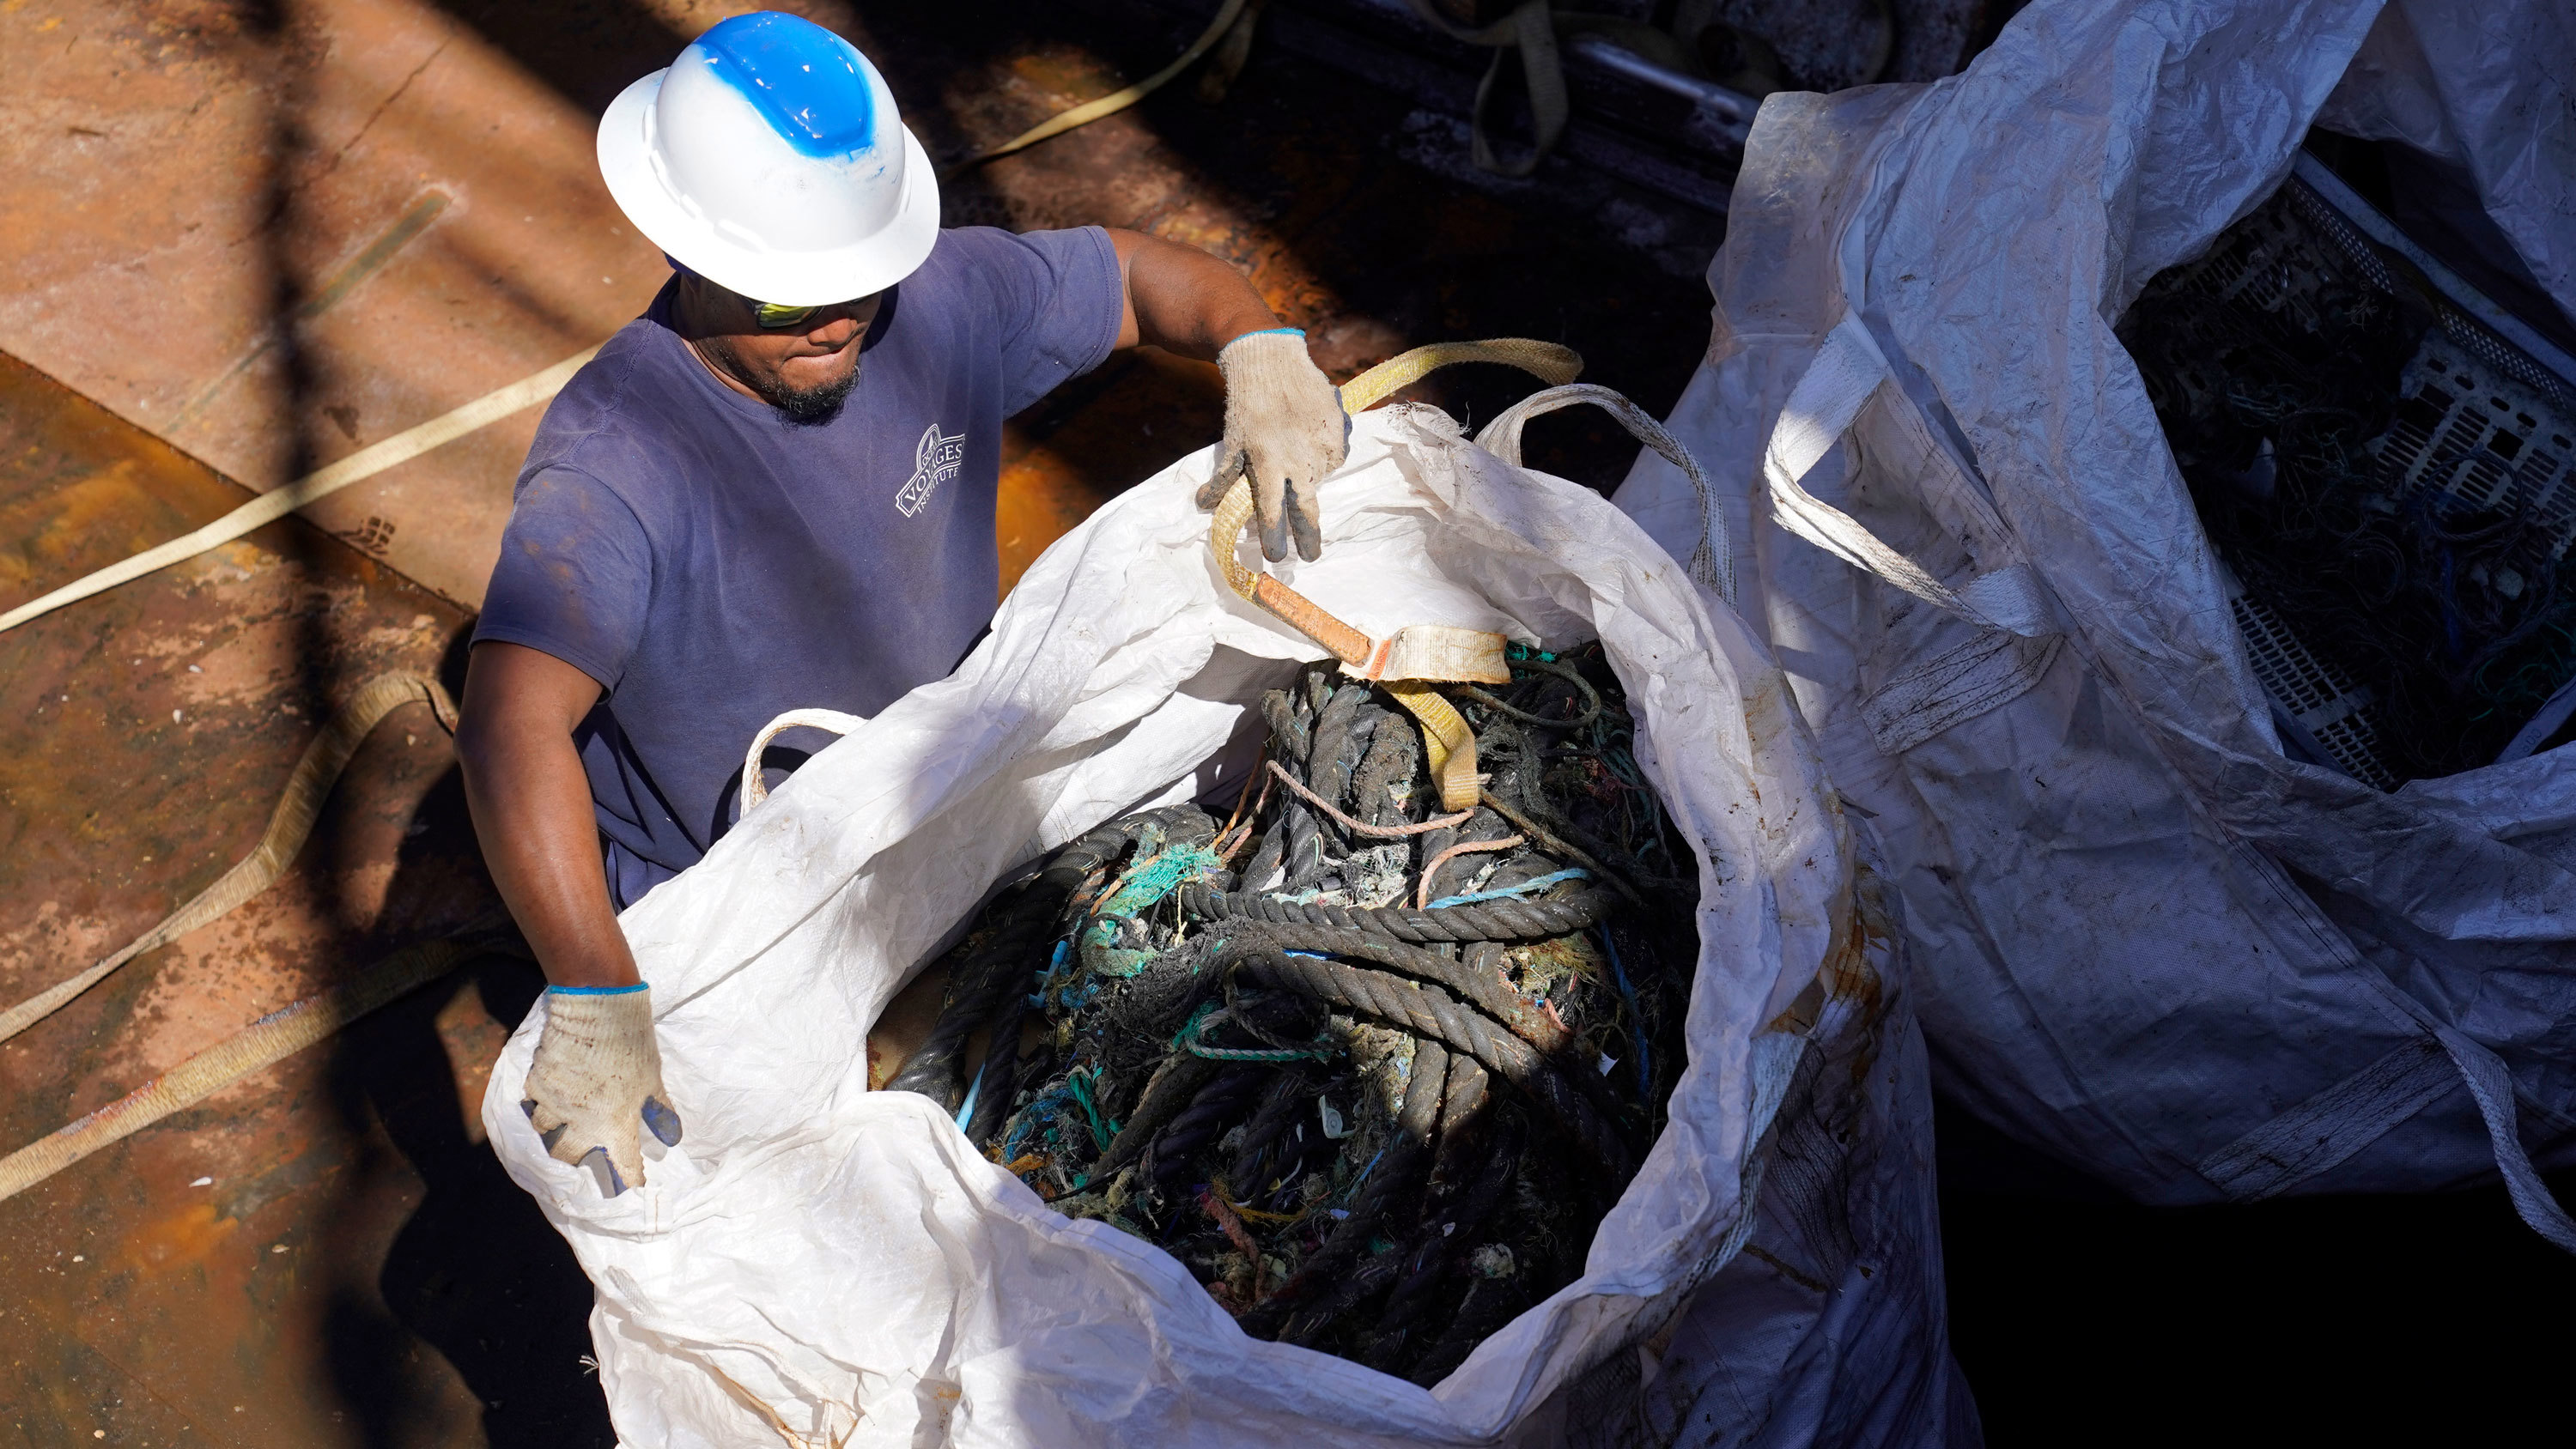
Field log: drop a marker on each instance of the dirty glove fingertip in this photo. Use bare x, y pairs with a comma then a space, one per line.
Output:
1230, 465
662, 1122
1310, 540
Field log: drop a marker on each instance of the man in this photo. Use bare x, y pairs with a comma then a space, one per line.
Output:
775, 489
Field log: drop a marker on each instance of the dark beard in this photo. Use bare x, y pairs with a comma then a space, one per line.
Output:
808, 407
804, 407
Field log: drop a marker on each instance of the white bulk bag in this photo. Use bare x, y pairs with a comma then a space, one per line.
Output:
2488, 89
2149, 944
818, 1264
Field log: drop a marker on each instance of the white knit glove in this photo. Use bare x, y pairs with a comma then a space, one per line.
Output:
1284, 426
597, 1074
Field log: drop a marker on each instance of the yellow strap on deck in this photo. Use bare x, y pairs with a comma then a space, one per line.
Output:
298, 806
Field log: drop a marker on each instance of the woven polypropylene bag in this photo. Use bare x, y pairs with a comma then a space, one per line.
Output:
2148, 943
819, 1264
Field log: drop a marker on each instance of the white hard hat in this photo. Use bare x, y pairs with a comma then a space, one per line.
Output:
769, 160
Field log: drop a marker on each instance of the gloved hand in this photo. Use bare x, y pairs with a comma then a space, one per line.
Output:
1284, 426
596, 1076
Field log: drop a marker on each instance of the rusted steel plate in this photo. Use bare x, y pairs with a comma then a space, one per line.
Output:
239, 1272
247, 183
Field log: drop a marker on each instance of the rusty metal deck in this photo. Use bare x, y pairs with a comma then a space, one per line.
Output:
274, 1265
245, 238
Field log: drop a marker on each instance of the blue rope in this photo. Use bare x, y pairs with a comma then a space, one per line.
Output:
1636, 1019
1047, 978
1145, 883
1512, 892
1352, 1192
1078, 1080
1190, 1028
1188, 1041
1025, 1124
1038, 1113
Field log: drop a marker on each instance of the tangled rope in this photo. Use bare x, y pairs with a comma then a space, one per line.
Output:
1503, 920
1319, 1097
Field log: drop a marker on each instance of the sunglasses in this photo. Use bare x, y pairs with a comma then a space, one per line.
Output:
771, 316
775, 317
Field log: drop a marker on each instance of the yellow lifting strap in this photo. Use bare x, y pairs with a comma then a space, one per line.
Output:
1409, 661
298, 807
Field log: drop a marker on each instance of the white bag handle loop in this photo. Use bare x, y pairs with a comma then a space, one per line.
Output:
1713, 562
2491, 1087
755, 789
1847, 371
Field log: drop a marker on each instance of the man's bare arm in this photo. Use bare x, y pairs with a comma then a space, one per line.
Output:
1182, 299
532, 811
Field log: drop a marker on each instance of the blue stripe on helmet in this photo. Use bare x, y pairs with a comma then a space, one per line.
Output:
809, 84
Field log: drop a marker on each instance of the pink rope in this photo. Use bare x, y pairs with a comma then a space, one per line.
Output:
1377, 832
1230, 843
1422, 897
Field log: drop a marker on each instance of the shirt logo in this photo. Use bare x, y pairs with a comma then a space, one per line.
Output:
933, 463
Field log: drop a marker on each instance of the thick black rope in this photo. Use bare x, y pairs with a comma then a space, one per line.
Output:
1336, 755
1490, 1303
1287, 726
1428, 1011
1487, 990
1483, 921
988, 977
975, 987
1396, 1174
1209, 1113
1167, 1094
1465, 1190
1282, 1105
976, 984
999, 1080
1393, 754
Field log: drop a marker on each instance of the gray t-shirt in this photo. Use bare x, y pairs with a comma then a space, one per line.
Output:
714, 565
